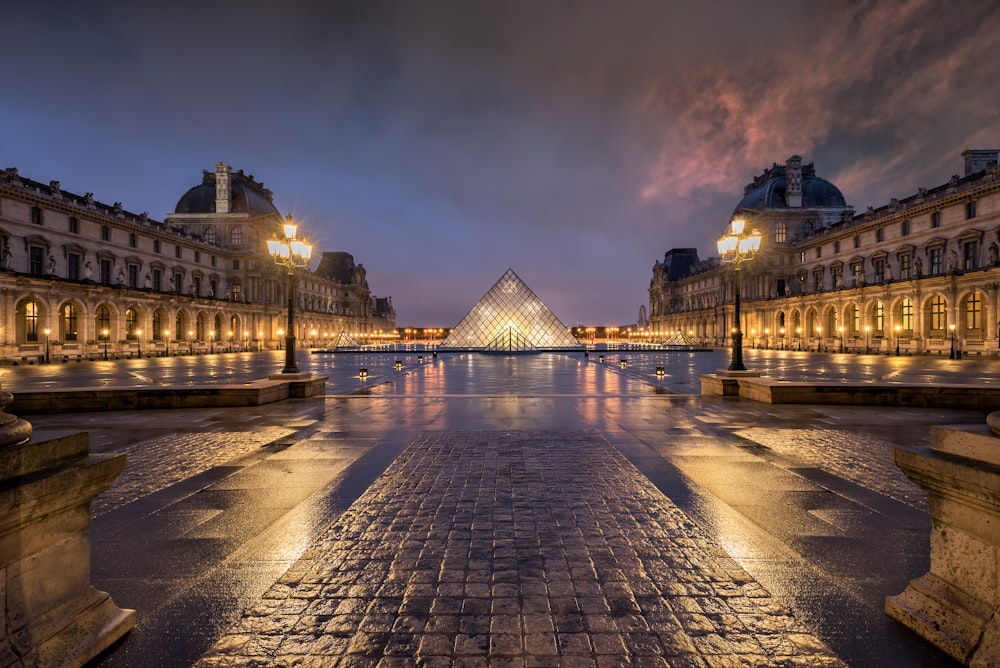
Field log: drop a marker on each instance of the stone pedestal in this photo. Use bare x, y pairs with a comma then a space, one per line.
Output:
956, 604
52, 616
725, 382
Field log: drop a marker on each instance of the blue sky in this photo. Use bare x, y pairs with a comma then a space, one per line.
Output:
442, 142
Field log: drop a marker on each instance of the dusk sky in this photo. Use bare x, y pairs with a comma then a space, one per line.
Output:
442, 142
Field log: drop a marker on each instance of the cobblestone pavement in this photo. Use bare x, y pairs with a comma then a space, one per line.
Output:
516, 549
158, 463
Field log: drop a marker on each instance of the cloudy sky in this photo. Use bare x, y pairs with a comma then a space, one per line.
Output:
442, 142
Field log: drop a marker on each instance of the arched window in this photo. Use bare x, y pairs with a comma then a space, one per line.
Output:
157, 325
102, 318
236, 235
853, 318
878, 317
210, 235
31, 321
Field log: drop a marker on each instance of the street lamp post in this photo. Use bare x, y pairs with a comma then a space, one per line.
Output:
211, 341
47, 332
868, 330
138, 342
841, 330
951, 356
798, 338
166, 342
291, 253
898, 327
819, 339
104, 335
736, 248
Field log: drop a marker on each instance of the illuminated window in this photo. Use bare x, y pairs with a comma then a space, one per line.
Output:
781, 232
69, 322
236, 236
974, 311
939, 315
131, 323
31, 321
906, 314
905, 265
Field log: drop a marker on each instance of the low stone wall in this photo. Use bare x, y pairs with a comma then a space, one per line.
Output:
257, 393
770, 391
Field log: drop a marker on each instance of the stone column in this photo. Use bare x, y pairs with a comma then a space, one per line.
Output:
52, 616
956, 604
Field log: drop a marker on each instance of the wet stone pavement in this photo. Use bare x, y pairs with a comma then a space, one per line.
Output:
523, 548
489, 510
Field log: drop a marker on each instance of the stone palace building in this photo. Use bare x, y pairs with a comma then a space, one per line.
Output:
921, 273
80, 278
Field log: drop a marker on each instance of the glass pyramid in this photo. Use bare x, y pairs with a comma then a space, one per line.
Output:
510, 318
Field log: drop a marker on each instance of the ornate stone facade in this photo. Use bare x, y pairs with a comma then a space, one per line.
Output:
98, 277
921, 272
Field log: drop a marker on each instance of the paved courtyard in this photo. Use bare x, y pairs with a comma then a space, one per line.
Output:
543, 510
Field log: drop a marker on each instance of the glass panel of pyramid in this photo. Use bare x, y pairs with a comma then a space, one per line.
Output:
510, 318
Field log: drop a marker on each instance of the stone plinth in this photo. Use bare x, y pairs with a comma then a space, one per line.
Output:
52, 614
956, 604
725, 382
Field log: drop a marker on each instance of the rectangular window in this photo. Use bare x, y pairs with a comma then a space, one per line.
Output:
818, 281
905, 266
197, 256
158, 280
36, 261
236, 293
178, 282
857, 241
105, 233
969, 252
970, 209
819, 252
907, 315
974, 312
132, 240
74, 225
196, 283
879, 235
36, 215
936, 219
133, 276
106, 272
904, 228
858, 271
214, 288
236, 264
73, 266
802, 257
177, 251
879, 317
878, 266
156, 245
836, 247
213, 260
935, 256
938, 318
838, 277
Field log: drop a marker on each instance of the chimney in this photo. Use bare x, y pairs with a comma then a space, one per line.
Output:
223, 195
979, 159
793, 181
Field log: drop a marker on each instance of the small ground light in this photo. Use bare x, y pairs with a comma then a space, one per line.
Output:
601, 358
659, 371
420, 359
362, 372
624, 363
399, 365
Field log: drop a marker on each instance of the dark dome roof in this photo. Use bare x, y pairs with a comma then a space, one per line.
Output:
816, 192
245, 199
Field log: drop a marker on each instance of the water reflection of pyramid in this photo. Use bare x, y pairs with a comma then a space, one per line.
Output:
510, 318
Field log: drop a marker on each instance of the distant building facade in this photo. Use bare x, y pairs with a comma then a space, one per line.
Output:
98, 277
922, 272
